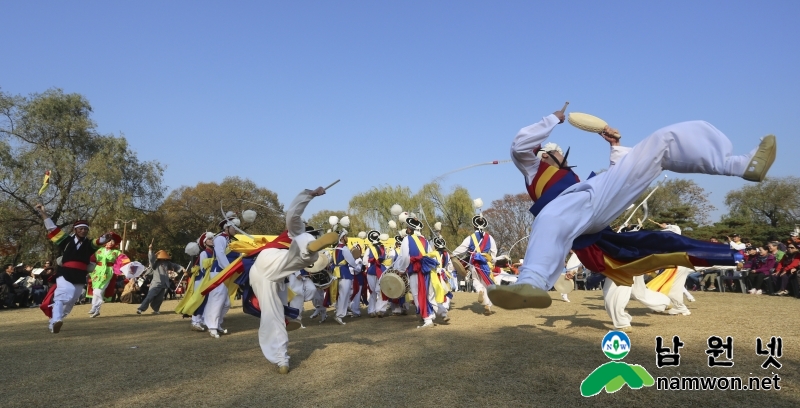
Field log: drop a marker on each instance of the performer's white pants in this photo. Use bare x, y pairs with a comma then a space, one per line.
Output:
413, 281
676, 292
272, 335
687, 294
304, 290
355, 304
616, 299
217, 306
197, 319
64, 297
590, 206
376, 302
318, 301
478, 285
343, 300
655, 301
97, 297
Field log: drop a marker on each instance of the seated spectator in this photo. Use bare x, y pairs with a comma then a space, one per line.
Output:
38, 291
709, 279
786, 269
794, 238
15, 293
760, 267
774, 249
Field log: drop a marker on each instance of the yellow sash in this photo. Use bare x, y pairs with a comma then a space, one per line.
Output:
664, 281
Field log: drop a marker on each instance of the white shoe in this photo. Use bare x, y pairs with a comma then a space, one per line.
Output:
323, 318
751, 291
564, 297
50, 327
691, 298
222, 331
339, 320
313, 315
426, 325
675, 312
758, 292
198, 328
213, 334
95, 314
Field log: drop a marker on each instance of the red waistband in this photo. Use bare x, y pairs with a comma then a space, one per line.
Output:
76, 265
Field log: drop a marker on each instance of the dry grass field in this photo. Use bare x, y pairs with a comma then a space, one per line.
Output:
513, 358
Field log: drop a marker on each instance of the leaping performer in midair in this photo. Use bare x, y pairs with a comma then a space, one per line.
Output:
576, 214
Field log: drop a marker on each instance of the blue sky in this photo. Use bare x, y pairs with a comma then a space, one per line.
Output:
298, 94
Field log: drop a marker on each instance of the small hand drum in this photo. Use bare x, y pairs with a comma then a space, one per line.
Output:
393, 285
564, 285
459, 268
322, 279
589, 123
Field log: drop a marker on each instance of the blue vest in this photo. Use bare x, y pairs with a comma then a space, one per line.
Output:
341, 264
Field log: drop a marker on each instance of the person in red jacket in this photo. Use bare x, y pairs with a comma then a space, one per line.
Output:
786, 268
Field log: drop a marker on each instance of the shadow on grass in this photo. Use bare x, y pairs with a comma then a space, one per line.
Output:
515, 358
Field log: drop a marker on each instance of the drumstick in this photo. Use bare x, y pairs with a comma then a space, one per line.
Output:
653, 221
332, 184
564, 109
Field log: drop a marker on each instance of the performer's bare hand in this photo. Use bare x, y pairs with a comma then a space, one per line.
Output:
560, 116
610, 135
39, 207
318, 192
569, 275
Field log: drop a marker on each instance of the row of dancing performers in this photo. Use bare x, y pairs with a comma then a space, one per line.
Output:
569, 214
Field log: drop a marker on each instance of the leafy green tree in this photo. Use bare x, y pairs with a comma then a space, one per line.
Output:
773, 202
188, 212
676, 201
454, 209
93, 176
320, 220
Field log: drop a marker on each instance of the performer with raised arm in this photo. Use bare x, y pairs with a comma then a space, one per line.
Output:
292, 250
103, 273
482, 249
76, 250
571, 213
160, 265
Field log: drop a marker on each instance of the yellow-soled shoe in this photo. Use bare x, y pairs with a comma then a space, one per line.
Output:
519, 296
323, 242
284, 369
759, 165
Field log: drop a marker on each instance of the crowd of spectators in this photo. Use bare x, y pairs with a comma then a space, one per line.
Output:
24, 286
764, 269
